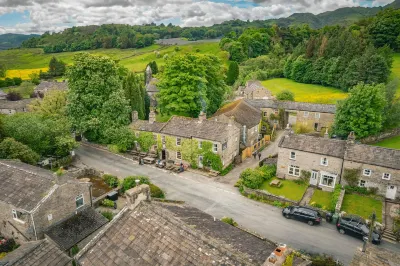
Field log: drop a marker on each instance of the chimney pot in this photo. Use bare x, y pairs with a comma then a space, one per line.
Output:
202, 117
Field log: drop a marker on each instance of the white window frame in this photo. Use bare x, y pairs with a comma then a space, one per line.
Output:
292, 157
180, 155
362, 183
200, 144
15, 216
178, 141
305, 113
323, 161
365, 172
328, 176
318, 115
78, 198
388, 178
293, 168
215, 147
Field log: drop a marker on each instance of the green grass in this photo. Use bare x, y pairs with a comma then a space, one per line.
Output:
288, 189
165, 117
393, 143
25, 89
322, 197
362, 205
396, 70
305, 92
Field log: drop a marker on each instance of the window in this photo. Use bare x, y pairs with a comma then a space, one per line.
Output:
163, 139
317, 115
327, 180
293, 155
294, 170
178, 141
14, 214
215, 147
305, 114
276, 111
79, 201
386, 176
367, 172
178, 155
265, 114
200, 145
324, 161
362, 183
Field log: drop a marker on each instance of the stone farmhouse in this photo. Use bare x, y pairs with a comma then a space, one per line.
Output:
12, 107
186, 140
247, 118
46, 86
319, 116
33, 199
255, 90
328, 161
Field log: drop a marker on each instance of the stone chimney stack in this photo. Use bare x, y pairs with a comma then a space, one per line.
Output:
152, 117
351, 138
137, 194
326, 135
135, 116
202, 117
231, 121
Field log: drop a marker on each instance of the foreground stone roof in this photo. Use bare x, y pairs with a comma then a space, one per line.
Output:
244, 113
14, 105
45, 86
374, 256
288, 105
144, 125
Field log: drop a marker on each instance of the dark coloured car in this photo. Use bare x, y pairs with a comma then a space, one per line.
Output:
303, 214
356, 227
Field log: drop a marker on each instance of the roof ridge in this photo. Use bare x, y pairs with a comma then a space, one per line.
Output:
27, 171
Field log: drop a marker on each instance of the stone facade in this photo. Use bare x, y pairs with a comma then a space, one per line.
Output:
255, 90
12, 107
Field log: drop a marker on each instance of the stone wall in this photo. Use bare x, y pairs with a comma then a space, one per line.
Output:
85, 172
339, 203
267, 196
21, 230
382, 136
322, 119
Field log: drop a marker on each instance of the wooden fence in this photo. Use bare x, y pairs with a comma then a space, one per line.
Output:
249, 150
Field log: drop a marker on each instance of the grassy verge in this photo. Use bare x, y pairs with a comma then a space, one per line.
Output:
393, 143
362, 205
288, 189
322, 198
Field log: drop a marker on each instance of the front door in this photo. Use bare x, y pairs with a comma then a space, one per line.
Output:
200, 161
163, 155
314, 178
391, 192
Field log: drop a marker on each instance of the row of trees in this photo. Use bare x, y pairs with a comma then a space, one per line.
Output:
8, 82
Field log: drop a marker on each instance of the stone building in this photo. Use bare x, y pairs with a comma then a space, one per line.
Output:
32, 199
247, 117
255, 90
12, 107
186, 140
317, 116
328, 160
374, 256
46, 86
3, 95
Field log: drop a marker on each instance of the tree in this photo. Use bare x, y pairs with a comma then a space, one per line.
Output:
34, 78
96, 99
285, 95
361, 112
233, 73
12, 149
53, 104
3, 70
236, 52
13, 96
385, 28
134, 89
56, 67
154, 67
392, 109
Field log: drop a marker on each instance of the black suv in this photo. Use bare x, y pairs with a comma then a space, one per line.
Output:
356, 226
303, 214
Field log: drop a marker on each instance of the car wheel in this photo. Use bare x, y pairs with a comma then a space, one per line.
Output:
310, 223
342, 231
287, 216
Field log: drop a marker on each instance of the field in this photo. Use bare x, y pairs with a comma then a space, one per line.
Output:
305, 92
22, 62
393, 143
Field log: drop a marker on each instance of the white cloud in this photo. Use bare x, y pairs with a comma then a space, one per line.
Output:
49, 15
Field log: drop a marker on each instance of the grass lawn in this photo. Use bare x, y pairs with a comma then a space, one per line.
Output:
25, 89
393, 143
288, 189
305, 92
396, 70
322, 197
362, 205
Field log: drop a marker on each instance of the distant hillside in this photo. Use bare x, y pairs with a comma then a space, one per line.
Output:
11, 40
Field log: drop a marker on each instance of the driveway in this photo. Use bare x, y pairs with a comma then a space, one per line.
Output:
220, 200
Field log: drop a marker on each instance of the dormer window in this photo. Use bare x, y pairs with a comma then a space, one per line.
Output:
17, 216
324, 161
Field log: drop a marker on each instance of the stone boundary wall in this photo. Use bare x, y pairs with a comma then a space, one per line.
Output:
85, 171
381, 136
267, 195
340, 201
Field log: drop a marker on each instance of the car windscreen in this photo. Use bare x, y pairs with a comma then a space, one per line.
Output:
364, 229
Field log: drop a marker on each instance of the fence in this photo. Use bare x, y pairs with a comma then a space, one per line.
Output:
249, 151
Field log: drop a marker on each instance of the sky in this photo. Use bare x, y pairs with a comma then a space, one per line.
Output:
38, 16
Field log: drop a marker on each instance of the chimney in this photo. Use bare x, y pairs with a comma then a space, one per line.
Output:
137, 194
152, 117
244, 135
202, 117
351, 138
326, 135
135, 116
231, 121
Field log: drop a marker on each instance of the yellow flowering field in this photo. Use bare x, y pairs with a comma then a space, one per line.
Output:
23, 73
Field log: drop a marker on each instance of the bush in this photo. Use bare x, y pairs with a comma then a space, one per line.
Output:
60, 171
351, 176
12, 149
373, 190
213, 161
229, 220
8, 246
285, 95
316, 205
156, 192
226, 170
107, 203
303, 128
13, 96
111, 180
268, 171
278, 204
17, 81
108, 215
252, 178
357, 190
335, 197
130, 182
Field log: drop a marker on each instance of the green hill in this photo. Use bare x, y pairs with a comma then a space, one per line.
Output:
11, 40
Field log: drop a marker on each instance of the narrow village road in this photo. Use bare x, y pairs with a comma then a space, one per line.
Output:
219, 199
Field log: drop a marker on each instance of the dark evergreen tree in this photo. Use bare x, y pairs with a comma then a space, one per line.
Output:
233, 73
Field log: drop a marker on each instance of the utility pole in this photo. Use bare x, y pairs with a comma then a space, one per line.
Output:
371, 227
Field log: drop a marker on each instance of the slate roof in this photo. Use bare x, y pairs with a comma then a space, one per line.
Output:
51, 85
252, 85
14, 105
244, 113
375, 255
144, 125
37, 253
152, 87
158, 234
24, 185
76, 228
2, 93
288, 105
323, 146
373, 155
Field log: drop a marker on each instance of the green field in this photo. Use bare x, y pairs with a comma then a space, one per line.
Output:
305, 92
22, 62
393, 143
396, 70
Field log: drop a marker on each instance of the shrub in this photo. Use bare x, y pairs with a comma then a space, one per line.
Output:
268, 171
226, 170
229, 220
8, 246
303, 128
357, 189
12, 149
277, 203
285, 95
238, 183
13, 96
177, 49
130, 182
156, 192
351, 176
335, 197
316, 205
108, 215
111, 180
373, 190
74, 250
212, 160
107, 203
252, 178
289, 260
60, 171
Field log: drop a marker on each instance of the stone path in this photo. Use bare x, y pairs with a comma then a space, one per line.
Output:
307, 196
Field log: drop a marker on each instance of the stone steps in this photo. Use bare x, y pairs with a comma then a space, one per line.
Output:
389, 236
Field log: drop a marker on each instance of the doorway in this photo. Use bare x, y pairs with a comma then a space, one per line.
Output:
391, 192
200, 161
163, 155
314, 178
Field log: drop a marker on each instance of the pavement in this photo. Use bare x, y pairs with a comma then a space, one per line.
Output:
219, 199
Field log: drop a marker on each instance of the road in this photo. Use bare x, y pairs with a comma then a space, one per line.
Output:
219, 199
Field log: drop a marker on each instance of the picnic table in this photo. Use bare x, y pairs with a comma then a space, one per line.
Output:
275, 183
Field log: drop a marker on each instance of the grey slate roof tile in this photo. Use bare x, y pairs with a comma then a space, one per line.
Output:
373, 155
244, 113
288, 105
15, 105
45, 86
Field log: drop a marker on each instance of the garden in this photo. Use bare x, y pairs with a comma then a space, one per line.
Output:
392, 143
321, 199
288, 189
362, 205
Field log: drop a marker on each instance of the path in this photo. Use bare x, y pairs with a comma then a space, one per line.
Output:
307, 196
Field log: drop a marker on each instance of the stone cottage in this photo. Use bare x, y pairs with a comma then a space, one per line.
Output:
328, 161
46, 86
255, 90
317, 116
186, 140
32, 199
12, 107
247, 117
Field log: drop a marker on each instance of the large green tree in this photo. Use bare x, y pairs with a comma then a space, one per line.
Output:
233, 73
12, 149
56, 67
392, 109
385, 29
53, 104
96, 99
134, 93
361, 112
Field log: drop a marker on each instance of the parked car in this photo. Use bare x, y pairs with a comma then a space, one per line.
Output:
303, 214
356, 227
